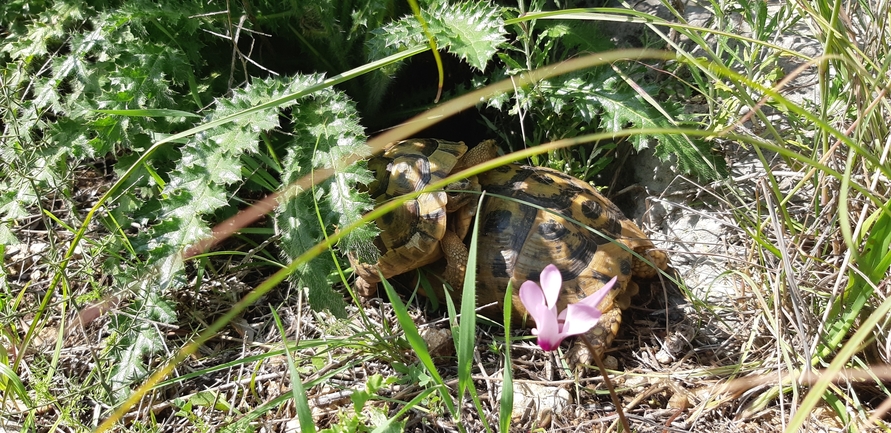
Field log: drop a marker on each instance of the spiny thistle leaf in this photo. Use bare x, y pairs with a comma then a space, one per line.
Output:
212, 160
326, 132
138, 336
602, 96
472, 30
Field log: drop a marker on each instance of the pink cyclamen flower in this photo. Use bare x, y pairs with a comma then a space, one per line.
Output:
541, 302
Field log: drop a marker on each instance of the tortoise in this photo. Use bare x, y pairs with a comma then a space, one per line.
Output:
532, 217
410, 236
535, 216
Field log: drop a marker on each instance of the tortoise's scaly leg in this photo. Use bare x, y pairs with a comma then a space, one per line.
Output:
456, 255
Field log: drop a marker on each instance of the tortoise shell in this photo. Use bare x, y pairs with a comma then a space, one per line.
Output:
410, 235
535, 216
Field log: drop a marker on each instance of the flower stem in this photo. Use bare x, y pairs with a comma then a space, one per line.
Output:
609, 385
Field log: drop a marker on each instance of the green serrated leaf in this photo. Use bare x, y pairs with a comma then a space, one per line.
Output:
157, 112
326, 131
138, 336
601, 94
471, 30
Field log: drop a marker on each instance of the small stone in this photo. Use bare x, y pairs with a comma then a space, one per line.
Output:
439, 341
610, 362
536, 403
38, 247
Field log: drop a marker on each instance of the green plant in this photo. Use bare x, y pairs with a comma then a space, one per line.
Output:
604, 98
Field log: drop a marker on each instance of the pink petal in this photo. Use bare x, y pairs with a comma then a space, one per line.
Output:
549, 344
531, 295
545, 318
579, 318
594, 300
551, 283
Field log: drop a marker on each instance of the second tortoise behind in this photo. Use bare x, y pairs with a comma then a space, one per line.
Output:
412, 233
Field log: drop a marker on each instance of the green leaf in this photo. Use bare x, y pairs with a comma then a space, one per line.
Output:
326, 131
157, 112
304, 413
10, 381
506, 405
467, 326
874, 261
602, 95
137, 336
472, 30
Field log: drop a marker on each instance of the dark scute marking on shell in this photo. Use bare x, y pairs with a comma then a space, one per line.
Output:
556, 202
397, 238
625, 267
499, 267
432, 146
497, 221
552, 230
580, 258
543, 178
422, 165
509, 231
381, 169
520, 175
603, 278
567, 274
613, 227
438, 174
576, 264
559, 202
427, 238
438, 214
387, 218
592, 209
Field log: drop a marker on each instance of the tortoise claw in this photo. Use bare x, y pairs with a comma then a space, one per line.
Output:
600, 337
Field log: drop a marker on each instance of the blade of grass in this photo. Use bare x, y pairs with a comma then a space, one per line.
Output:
157, 112
304, 415
417, 12
506, 407
874, 262
9, 381
419, 346
258, 411
467, 325
851, 347
391, 423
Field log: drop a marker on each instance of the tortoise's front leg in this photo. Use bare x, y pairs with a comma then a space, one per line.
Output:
600, 336
456, 255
